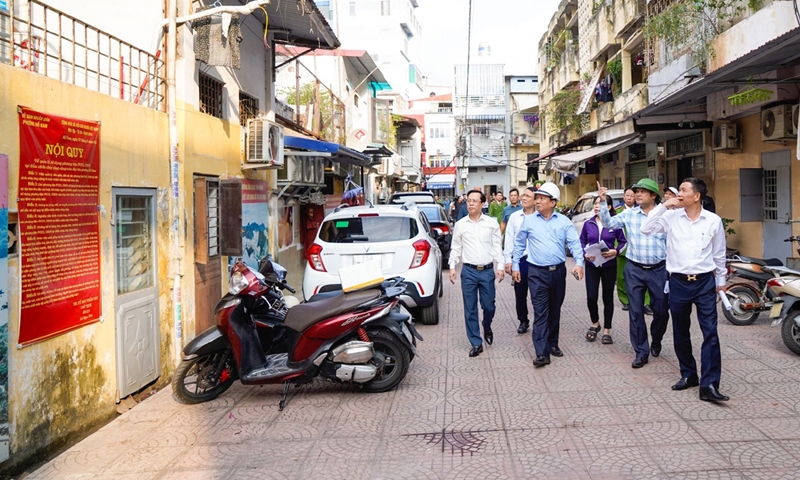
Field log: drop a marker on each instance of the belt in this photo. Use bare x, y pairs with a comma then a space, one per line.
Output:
550, 268
648, 267
480, 268
691, 278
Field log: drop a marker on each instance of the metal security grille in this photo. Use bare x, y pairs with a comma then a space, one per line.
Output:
212, 201
134, 247
210, 95
770, 194
44, 40
248, 108
685, 145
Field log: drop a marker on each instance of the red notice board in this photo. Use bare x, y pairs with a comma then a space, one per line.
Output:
59, 225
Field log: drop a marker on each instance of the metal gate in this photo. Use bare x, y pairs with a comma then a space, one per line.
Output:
136, 303
636, 172
777, 187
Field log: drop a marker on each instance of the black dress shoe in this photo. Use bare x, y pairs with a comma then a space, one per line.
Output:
488, 335
655, 349
648, 310
476, 350
625, 307
523, 327
686, 382
556, 352
541, 361
639, 362
710, 394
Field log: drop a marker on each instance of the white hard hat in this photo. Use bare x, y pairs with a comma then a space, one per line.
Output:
550, 189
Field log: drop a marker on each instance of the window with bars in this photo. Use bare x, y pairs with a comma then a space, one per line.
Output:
212, 200
248, 108
770, 179
210, 95
386, 8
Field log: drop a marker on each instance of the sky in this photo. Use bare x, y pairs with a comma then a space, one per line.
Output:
512, 28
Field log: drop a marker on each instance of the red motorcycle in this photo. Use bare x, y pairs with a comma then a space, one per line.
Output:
365, 337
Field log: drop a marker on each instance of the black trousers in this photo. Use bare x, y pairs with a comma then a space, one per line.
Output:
637, 281
607, 275
548, 288
521, 291
702, 293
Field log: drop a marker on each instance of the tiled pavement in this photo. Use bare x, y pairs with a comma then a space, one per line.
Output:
588, 415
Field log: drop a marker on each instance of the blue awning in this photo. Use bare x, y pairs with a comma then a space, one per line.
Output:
339, 153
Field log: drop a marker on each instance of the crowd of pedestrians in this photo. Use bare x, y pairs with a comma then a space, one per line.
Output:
661, 257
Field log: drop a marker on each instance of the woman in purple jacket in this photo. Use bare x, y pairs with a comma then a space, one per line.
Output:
594, 231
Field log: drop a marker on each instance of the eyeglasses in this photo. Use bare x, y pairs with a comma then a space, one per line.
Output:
473, 201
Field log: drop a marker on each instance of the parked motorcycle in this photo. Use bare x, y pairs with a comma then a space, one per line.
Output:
365, 337
748, 292
786, 311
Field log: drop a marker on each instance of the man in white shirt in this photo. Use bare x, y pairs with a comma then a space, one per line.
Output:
696, 263
511, 228
476, 244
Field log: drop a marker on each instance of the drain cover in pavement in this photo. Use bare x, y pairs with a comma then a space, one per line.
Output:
464, 443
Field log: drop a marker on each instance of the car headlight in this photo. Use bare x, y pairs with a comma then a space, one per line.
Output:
237, 283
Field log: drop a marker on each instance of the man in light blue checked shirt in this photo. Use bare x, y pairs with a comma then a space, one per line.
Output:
542, 237
646, 269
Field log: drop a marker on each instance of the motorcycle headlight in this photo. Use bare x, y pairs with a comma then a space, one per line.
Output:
237, 283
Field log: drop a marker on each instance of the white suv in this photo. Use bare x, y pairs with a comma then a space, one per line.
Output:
400, 237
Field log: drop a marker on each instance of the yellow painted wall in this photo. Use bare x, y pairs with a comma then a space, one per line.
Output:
749, 235
64, 385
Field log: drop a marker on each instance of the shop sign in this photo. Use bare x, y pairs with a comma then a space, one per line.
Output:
59, 184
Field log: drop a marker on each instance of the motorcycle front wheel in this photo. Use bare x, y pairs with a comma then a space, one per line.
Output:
790, 332
396, 359
736, 315
203, 378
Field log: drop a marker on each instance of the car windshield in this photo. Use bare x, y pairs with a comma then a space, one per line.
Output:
412, 198
373, 229
585, 205
432, 212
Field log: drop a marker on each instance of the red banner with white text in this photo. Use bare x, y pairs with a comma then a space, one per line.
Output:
59, 224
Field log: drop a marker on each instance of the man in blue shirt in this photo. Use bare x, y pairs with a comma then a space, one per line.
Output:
646, 268
542, 237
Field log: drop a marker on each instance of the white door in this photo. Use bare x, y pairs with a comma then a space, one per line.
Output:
136, 303
777, 181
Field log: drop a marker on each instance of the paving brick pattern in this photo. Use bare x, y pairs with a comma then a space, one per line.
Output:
588, 415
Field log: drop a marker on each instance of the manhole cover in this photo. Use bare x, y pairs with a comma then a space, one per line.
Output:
464, 443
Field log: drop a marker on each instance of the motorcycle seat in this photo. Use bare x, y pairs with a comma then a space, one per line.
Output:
770, 262
304, 315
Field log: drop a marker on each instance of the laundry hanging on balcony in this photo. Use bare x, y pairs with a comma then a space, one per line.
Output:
217, 39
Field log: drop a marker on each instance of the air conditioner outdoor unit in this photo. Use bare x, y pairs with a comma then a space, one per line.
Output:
726, 137
291, 171
265, 142
776, 123
795, 111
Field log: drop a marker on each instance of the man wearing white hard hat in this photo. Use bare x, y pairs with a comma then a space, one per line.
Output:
542, 237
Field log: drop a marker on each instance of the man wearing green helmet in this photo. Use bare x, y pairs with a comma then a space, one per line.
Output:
646, 268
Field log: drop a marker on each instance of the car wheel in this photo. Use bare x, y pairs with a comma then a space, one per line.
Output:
441, 285
430, 315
